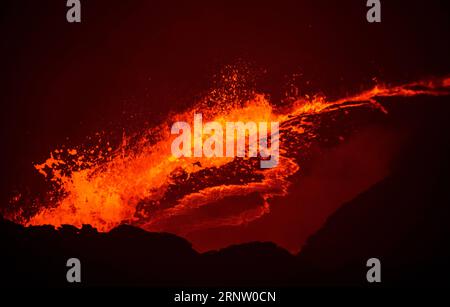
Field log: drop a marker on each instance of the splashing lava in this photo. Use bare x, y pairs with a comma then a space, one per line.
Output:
141, 183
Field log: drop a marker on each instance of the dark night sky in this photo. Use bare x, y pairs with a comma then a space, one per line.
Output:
130, 62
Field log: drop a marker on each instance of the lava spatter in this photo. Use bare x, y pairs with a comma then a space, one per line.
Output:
143, 184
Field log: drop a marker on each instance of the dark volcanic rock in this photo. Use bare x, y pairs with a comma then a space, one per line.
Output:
403, 221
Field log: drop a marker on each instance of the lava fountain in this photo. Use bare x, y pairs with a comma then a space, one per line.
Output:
140, 182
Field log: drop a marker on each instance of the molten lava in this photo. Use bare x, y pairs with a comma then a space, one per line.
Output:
140, 182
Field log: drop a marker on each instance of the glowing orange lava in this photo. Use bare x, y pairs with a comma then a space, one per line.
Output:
135, 184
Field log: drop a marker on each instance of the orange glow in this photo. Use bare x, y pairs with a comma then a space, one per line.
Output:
106, 190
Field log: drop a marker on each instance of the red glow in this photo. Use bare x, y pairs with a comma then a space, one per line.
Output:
134, 184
